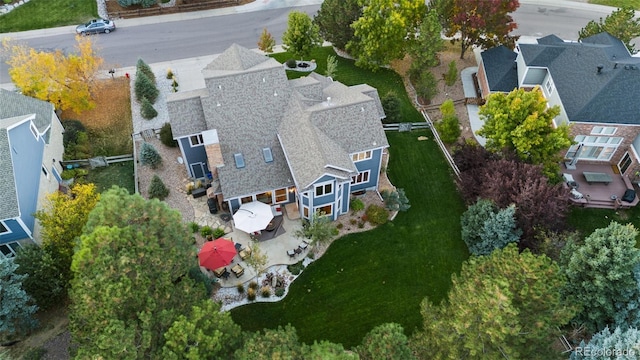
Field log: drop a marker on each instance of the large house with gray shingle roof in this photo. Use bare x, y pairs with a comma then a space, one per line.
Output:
262, 137
595, 82
30, 152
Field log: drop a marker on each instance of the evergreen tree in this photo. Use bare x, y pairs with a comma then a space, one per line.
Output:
146, 109
157, 189
334, 21
149, 155
143, 67
424, 52
166, 136
621, 23
16, 306
449, 126
392, 108
603, 277
621, 344
386, 341
145, 88
266, 42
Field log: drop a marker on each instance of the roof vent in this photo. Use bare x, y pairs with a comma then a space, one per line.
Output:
600, 67
626, 67
634, 67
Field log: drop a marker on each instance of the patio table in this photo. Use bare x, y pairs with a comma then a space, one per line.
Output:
597, 177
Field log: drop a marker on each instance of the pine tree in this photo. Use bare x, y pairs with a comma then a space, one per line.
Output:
149, 155
157, 189
143, 67
146, 110
144, 88
16, 306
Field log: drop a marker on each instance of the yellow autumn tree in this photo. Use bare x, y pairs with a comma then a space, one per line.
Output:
65, 80
62, 219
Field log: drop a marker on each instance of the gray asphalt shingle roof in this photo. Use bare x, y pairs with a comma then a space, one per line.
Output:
252, 105
610, 96
500, 68
14, 108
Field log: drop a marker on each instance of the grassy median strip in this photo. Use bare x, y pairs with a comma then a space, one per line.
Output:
44, 14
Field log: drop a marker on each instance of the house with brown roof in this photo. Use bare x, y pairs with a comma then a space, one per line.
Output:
262, 137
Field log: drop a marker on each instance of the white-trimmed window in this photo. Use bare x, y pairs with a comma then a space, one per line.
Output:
246, 199
324, 189
4, 229
603, 130
324, 210
305, 212
45, 171
594, 147
549, 86
365, 155
196, 140
10, 249
362, 177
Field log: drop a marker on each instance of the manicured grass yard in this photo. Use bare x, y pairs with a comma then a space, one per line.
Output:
120, 174
587, 220
618, 3
42, 14
379, 276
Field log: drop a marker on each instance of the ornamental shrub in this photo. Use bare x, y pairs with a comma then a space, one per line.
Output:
166, 136
240, 288
150, 156
145, 88
157, 189
251, 294
356, 205
146, 110
193, 226
377, 215
291, 63
253, 285
425, 83
279, 292
71, 130
206, 231
395, 200
218, 232
265, 291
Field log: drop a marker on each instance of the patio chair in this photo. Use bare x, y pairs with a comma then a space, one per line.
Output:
245, 253
237, 270
291, 253
303, 246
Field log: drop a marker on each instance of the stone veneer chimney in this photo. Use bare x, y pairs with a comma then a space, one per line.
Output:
214, 153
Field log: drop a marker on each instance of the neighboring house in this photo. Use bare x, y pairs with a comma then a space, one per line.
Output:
595, 82
262, 137
30, 152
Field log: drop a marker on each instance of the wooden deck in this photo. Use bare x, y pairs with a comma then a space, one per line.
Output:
601, 195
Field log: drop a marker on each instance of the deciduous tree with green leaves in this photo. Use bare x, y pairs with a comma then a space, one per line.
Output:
385, 31
206, 333
301, 36
334, 20
131, 278
47, 282
504, 305
520, 121
621, 23
485, 23
603, 277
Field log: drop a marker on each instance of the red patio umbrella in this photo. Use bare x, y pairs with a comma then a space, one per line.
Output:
217, 253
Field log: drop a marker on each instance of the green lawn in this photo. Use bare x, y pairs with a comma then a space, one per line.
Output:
120, 174
42, 14
587, 220
379, 276
618, 3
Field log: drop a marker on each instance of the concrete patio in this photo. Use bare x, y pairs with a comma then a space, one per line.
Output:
275, 249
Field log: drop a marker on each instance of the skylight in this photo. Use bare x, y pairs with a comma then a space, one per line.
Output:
239, 160
268, 156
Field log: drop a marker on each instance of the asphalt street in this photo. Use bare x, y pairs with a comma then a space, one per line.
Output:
182, 36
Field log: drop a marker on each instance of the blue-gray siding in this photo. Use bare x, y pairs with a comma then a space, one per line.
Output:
373, 165
17, 232
193, 155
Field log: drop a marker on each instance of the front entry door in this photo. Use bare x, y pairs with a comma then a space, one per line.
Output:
197, 170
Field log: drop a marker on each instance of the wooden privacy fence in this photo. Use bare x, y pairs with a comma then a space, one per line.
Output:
107, 160
184, 7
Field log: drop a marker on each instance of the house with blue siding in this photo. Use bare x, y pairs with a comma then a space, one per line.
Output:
259, 136
30, 152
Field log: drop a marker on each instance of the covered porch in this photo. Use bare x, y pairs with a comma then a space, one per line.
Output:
602, 186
